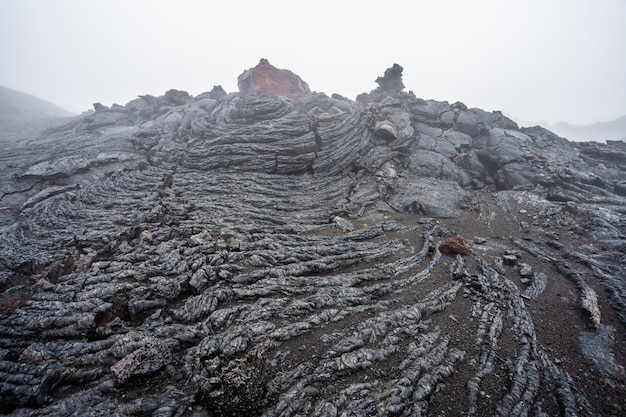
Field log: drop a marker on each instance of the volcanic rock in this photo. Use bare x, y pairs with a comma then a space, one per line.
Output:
392, 79
257, 253
266, 78
456, 244
386, 130
389, 91
143, 361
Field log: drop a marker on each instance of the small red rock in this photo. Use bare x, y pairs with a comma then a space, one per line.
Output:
455, 244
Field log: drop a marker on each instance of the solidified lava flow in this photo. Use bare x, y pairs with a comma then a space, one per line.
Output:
258, 255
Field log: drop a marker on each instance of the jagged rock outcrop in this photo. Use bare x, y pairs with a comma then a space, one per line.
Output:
253, 254
266, 78
392, 79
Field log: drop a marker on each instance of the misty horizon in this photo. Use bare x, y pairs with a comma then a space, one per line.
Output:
560, 61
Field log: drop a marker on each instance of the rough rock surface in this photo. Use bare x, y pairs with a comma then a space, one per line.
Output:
455, 244
266, 78
392, 80
251, 254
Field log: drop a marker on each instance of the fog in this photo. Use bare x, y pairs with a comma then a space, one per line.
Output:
537, 60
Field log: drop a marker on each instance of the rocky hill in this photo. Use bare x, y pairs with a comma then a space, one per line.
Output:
15, 105
599, 132
280, 252
23, 115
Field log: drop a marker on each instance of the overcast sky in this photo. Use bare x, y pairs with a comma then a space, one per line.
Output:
538, 60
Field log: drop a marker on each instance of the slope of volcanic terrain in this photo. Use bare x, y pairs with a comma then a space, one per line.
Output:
280, 252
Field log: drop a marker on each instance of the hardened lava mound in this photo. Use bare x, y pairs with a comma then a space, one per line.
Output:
280, 252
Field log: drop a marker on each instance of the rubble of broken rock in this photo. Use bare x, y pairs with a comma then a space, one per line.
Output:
231, 255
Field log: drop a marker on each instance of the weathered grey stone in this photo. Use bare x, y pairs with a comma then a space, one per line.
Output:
141, 362
435, 165
261, 255
427, 196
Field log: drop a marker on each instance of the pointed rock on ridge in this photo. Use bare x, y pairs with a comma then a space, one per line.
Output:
266, 78
390, 86
392, 79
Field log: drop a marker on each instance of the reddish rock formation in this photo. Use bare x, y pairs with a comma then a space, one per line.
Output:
268, 79
455, 244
